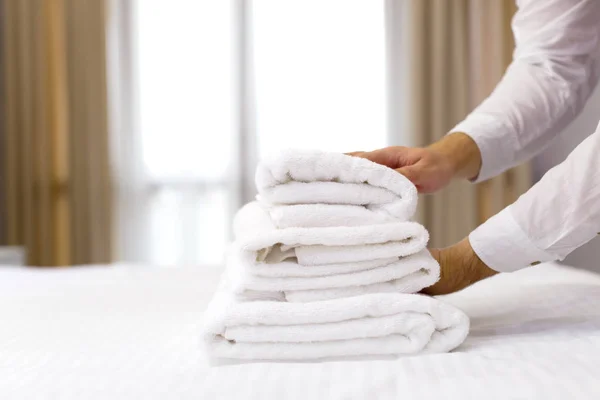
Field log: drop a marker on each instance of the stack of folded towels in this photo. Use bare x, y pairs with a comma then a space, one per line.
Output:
326, 264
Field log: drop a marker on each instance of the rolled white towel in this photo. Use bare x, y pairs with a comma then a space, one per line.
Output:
255, 232
400, 275
373, 324
308, 178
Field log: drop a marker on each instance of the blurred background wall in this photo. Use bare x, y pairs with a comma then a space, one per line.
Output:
131, 128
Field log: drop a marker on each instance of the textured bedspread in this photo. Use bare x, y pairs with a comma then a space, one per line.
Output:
132, 332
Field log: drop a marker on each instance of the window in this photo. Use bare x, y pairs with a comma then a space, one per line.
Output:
319, 82
185, 69
320, 74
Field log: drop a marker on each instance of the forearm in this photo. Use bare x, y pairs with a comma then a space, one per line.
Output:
460, 267
556, 216
524, 114
554, 71
462, 152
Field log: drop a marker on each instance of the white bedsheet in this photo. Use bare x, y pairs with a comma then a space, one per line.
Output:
132, 332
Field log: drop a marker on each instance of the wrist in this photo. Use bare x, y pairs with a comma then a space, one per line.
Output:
475, 268
460, 267
462, 153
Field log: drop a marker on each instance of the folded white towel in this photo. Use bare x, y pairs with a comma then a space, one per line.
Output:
289, 269
311, 177
401, 275
374, 324
322, 215
256, 232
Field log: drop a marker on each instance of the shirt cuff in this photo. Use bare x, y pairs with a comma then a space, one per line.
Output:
503, 246
496, 148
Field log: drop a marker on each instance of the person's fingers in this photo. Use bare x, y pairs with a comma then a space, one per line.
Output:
355, 153
387, 157
411, 173
391, 157
406, 156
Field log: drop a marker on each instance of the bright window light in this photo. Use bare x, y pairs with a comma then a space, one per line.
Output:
320, 74
319, 77
186, 98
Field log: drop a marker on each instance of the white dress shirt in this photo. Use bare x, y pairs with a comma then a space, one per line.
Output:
554, 70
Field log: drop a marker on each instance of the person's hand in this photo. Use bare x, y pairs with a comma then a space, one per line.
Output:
459, 267
431, 168
428, 169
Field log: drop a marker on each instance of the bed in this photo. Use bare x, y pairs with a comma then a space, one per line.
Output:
132, 332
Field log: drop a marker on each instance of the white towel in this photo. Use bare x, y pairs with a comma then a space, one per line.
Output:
400, 275
256, 232
374, 324
322, 265
322, 215
290, 269
309, 178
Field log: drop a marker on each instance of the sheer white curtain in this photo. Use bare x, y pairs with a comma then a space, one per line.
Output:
204, 88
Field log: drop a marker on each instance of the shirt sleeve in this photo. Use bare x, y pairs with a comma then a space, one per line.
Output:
553, 72
557, 215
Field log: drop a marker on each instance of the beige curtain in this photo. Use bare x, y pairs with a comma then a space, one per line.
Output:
458, 50
491, 47
56, 185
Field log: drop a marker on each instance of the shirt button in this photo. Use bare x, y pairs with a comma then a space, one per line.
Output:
535, 263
